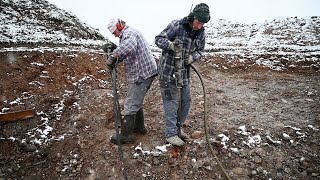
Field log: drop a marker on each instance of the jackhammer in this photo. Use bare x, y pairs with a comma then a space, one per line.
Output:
108, 49
179, 69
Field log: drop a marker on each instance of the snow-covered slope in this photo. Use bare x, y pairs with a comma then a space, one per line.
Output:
280, 35
39, 22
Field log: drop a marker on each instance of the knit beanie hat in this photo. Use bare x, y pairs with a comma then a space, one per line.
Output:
201, 12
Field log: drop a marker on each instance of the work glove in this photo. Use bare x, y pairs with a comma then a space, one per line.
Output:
109, 47
176, 45
110, 61
188, 60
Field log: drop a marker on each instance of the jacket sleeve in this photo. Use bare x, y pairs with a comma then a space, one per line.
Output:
166, 36
199, 48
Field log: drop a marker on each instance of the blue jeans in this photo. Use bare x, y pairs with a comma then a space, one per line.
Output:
170, 96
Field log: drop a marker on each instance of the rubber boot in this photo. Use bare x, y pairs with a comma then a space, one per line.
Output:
139, 126
126, 135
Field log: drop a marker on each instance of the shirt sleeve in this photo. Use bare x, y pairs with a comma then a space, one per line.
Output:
127, 45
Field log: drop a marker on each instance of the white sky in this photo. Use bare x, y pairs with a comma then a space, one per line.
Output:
151, 17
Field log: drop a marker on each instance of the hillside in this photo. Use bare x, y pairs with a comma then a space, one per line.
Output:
287, 34
38, 22
281, 44
263, 102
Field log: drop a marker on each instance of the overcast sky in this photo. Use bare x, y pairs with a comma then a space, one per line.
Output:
150, 17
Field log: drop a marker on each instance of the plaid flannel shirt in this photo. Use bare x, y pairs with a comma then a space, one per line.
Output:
193, 43
134, 50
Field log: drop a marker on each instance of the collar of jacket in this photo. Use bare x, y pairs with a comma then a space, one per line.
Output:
185, 22
121, 32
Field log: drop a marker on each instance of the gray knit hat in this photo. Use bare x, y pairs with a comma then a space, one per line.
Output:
201, 12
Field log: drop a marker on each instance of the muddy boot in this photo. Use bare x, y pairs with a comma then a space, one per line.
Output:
126, 135
139, 126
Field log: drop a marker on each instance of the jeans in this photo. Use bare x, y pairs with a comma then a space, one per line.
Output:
135, 95
170, 96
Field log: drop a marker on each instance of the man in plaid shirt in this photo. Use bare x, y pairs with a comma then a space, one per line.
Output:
141, 69
183, 38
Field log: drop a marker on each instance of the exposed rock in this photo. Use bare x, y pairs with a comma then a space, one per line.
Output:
30, 148
196, 134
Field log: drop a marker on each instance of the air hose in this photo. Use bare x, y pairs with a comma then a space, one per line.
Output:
116, 112
205, 109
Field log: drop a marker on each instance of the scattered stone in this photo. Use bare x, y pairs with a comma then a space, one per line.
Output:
185, 171
234, 150
285, 137
9, 170
254, 172
196, 134
30, 148
155, 161
23, 143
279, 175
238, 171
271, 141
195, 164
216, 143
208, 168
261, 152
304, 173
257, 160
259, 169
315, 174
287, 170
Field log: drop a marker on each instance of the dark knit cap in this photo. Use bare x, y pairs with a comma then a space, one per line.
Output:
201, 12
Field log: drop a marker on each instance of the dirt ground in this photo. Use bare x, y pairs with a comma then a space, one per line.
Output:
263, 124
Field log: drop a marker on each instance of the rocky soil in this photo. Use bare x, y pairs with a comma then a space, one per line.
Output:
263, 124
263, 102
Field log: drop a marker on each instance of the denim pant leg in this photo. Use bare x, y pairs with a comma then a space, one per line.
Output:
185, 102
170, 97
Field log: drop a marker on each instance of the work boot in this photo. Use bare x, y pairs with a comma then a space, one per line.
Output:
139, 126
175, 140
183, 135
126, 135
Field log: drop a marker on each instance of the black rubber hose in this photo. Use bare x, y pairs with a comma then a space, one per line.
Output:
116, 112
205, 109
